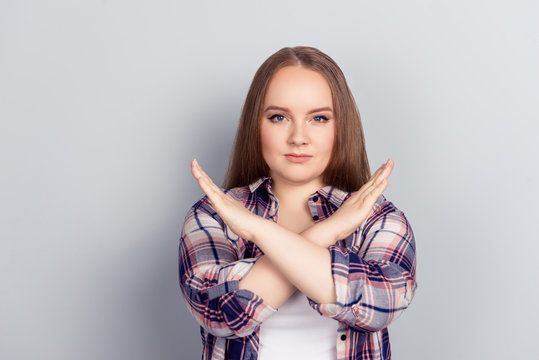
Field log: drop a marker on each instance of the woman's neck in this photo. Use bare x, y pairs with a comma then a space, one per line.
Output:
292, 193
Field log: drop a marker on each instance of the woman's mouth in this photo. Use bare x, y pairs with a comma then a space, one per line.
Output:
298, 158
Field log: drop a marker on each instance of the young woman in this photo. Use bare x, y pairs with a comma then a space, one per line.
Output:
301, 256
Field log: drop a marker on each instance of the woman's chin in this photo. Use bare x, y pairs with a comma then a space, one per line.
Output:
297, 179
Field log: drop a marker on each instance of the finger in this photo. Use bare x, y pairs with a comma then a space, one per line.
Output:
381, 173
204, 181
195, 169
367, 189
201, 175
371, 196
384, 172
382, 177
201, 178
374, 192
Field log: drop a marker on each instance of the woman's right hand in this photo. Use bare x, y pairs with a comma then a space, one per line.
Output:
358, 206
240, 220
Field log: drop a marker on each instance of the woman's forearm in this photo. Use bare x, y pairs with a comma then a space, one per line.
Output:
265, 280
304, 263
322, 233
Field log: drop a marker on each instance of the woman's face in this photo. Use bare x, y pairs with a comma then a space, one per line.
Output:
298, 126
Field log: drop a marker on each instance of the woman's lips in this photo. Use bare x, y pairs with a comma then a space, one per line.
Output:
297, 158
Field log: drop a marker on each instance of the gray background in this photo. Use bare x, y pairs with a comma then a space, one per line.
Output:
104, 103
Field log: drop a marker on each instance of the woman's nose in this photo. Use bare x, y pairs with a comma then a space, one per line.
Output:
298, 134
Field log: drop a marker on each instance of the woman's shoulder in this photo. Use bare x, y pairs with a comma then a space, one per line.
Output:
240, 193
382, 204
387, 216
386, 211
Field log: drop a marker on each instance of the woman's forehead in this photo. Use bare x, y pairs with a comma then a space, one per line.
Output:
298, 87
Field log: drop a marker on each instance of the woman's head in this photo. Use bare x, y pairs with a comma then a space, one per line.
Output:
348, 167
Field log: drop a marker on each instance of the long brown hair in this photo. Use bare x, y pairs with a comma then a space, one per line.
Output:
348, 168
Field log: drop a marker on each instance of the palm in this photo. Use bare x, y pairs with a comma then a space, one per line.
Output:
358, 206
233, 213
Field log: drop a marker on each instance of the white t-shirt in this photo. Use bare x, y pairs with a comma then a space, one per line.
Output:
296, 331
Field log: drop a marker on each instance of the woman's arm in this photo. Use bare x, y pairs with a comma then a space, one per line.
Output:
209, 273
303, 263
375, 283
265, 280
304, 260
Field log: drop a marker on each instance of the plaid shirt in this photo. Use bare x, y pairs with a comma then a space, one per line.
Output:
373, 270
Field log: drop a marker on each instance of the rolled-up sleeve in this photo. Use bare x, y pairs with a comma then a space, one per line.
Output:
209, 273
375, 283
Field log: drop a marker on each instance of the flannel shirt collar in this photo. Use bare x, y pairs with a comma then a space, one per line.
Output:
334, 195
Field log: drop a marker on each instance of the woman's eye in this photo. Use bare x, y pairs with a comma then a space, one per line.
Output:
320, 118
277, 118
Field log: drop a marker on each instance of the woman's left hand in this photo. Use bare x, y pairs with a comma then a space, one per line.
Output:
240, 220
359, 205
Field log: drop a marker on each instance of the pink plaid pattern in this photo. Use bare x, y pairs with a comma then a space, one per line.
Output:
373, 270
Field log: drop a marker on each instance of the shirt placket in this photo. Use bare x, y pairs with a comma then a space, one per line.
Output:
273, 211
315, 204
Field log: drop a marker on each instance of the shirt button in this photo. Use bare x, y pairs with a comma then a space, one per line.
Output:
315, 198
315, 218
343, 337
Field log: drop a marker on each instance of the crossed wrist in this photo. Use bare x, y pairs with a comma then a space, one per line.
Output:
322, 233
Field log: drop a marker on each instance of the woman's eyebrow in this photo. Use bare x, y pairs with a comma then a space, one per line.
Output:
279, 108
327, 108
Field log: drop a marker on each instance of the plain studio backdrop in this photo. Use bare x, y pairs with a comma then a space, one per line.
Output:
104, 103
